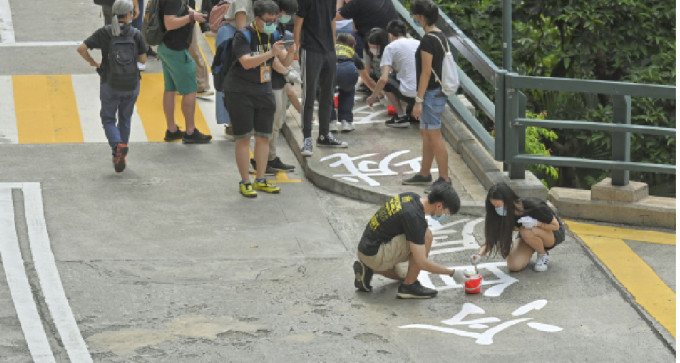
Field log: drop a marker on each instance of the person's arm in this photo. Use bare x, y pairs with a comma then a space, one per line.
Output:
251, 61
141, 58
554, 225
82, 49
386, 70
339, 4
297, 29
333, 26
366, 78
173, 22
286, 56
426, 69
423, 263
135, 12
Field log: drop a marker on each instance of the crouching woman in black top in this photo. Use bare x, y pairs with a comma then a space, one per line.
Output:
539, 228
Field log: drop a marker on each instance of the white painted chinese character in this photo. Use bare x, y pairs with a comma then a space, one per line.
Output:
485, 337
365, 169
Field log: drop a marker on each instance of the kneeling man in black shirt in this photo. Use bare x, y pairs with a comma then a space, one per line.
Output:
398, 232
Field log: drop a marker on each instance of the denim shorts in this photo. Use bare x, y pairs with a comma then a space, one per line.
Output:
179, 70
433, 106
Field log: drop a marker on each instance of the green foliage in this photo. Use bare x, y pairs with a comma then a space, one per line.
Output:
536, 137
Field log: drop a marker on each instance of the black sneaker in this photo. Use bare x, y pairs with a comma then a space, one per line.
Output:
196, 138
150, 53
172, 136
415, 291
417, 180
119, 157
268, 171
330, 141
399, 122
439, 180
362, 277
277, 164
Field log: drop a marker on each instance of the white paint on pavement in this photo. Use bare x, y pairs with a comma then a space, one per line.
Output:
9, 134
6, 26
19, 288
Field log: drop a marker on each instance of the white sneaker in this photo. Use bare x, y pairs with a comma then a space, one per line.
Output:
347, 126
141, 66
307, 147
541, 262
333, 126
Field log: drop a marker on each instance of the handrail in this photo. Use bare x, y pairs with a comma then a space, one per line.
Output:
590, 86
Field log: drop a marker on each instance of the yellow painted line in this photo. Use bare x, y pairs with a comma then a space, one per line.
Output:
205, 60
211, 43
634, 274
623, 233
46, 109
150, 109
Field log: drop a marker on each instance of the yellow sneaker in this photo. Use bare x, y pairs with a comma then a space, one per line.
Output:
266, 187
247, 190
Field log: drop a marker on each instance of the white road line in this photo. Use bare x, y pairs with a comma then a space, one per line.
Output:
6, 26
9, 134
50, 281
31, 325
86, 90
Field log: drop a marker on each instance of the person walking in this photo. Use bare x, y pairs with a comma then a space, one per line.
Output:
430, 101
314, 35
179, 70
118, 93
540, 229
398, 232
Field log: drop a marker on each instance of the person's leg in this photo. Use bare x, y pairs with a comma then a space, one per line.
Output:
201, 69
292, 97
107, 113
326, 88
413, 269
520, 255
169, 110
243, 112
242, 152
311, 65
189, 111
184, 75
261, 152
346, 79
394, 102
281, 100
434, 148
125, 110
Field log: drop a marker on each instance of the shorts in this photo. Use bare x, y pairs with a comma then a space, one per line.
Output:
560, 236
398, 249
434, 103
179, 70
250, 112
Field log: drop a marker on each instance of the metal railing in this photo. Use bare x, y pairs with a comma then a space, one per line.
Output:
509, 107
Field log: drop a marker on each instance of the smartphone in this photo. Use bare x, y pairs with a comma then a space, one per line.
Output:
288, 43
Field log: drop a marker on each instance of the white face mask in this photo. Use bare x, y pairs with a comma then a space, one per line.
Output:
375, 51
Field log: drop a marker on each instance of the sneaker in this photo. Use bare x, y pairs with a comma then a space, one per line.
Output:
268, 171
363, 89
196, 138
119, 157
417, 180
399, 122
307, 147
347, 126
541, 262
229, 132
415, 291
246, 190
151, 53
362, 276
266, 187
277, 164
172, 136
439, 180
333, 126
330, 141
205, 93
141, 66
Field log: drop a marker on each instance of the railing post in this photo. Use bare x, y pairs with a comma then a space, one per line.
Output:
621, 140
513, 136
507, 35
499, 123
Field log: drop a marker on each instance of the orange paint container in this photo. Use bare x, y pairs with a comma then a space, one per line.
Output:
473, 283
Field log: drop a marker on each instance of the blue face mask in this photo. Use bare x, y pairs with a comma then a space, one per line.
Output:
269, 28
285, 19
439, 218
501, 211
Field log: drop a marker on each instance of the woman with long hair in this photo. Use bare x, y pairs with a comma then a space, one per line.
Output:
540, 229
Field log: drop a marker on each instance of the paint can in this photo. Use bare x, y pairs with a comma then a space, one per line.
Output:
473, 283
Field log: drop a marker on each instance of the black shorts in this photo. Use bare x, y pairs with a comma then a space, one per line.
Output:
392, 86
560, 236
250, 112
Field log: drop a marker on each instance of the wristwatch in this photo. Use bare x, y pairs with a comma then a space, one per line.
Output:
418, 99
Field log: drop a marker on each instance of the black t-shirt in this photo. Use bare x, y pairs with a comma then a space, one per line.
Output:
101, 39
403, 214
536, 209
243, 80
368, 14
317, 29
431, 45
180, 38
344, 53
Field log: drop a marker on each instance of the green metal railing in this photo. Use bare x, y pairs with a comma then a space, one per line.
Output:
509, 107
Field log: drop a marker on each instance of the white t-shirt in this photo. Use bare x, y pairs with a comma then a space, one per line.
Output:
401, 56
238, 6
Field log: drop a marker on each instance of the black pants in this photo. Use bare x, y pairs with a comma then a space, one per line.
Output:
318, 72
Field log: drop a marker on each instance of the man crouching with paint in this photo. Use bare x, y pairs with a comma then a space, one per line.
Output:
398, 232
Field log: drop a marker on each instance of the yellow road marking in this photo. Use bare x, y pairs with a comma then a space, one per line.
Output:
631, 271
46, 111
150, 109
623, 233
211, 43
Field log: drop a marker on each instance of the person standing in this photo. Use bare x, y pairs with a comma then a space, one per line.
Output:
314, 35
179, 70
118, 96
249, 98
430, 100
398, 232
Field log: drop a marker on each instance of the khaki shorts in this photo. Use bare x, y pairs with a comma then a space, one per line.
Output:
389, 254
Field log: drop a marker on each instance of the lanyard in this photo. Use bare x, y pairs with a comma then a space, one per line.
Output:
259, 40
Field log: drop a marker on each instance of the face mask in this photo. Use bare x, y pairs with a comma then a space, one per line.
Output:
439, 218
501, 211
375, 51
285, 19
269, 28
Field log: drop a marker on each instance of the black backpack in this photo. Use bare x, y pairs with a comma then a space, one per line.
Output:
121, 71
